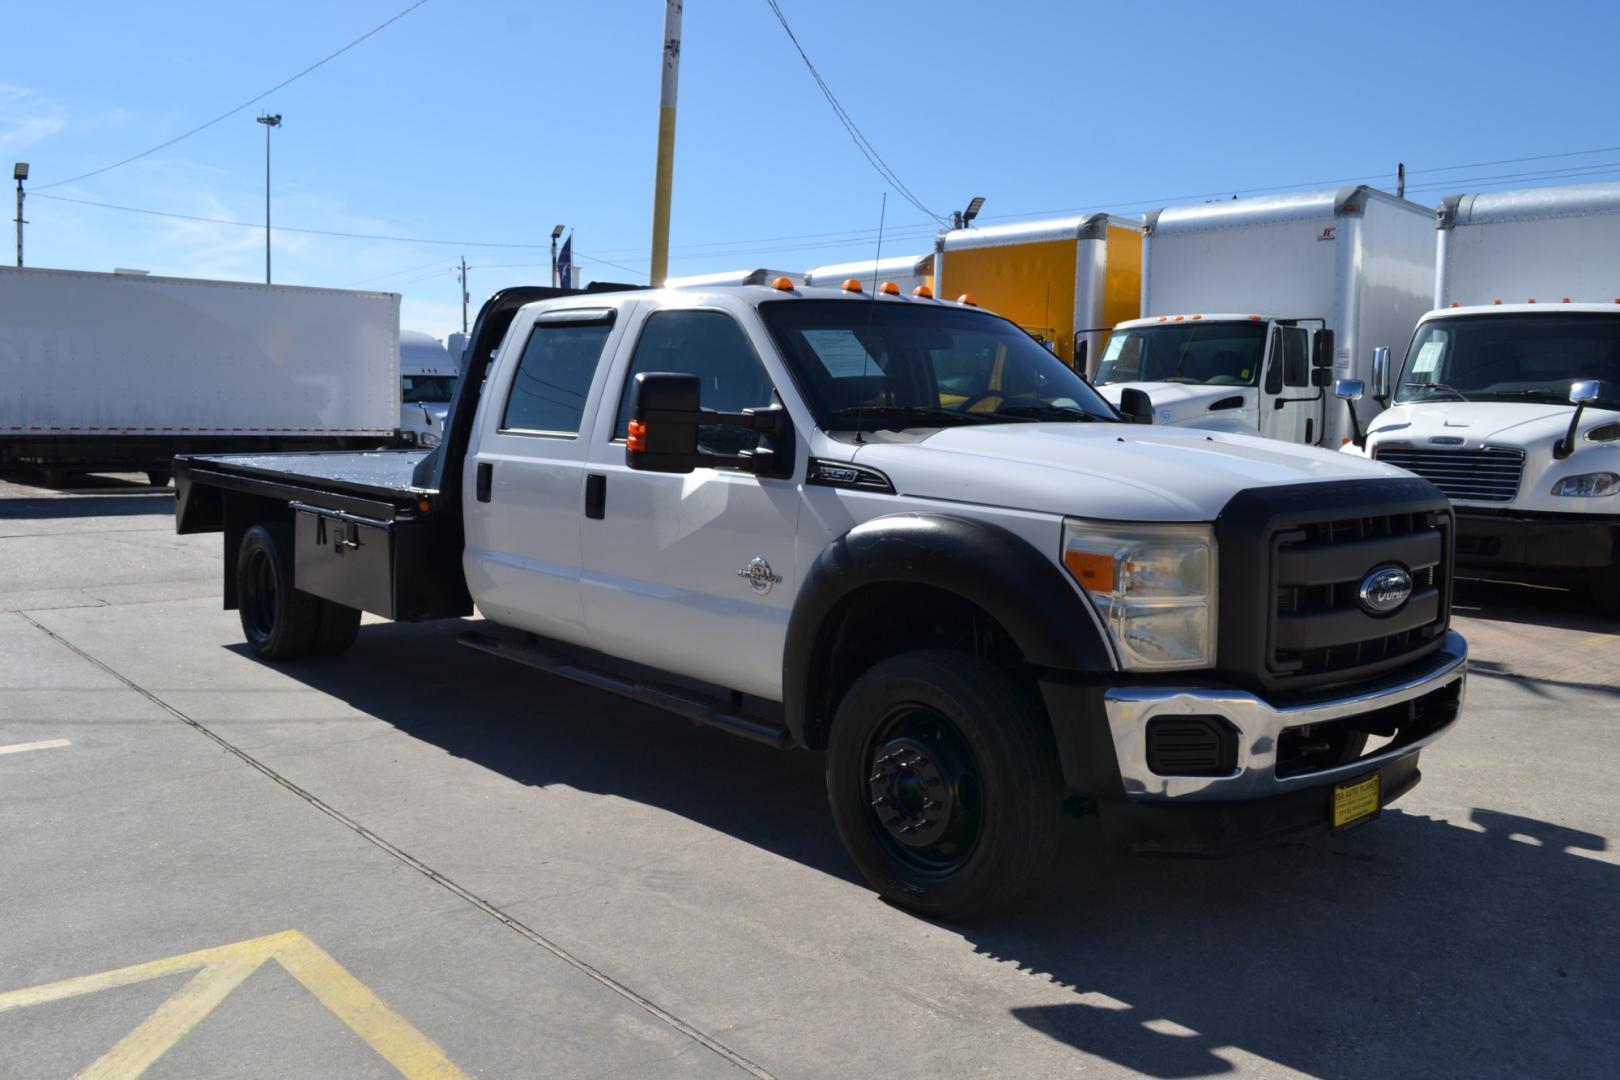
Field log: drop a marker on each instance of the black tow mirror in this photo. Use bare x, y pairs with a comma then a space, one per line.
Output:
1321, 377
1136, 406
1322, 352
666, 413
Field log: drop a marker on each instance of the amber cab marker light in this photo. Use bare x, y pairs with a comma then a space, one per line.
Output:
967, 298
1565, 300
889, 288
852, 285
1094, 572
923, 292
783, 284
424, 506
636, 441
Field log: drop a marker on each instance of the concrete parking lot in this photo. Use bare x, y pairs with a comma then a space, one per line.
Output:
415, 860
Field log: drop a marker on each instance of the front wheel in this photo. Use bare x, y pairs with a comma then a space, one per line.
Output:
944, 784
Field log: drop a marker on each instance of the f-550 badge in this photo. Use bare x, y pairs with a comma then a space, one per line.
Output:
760, 578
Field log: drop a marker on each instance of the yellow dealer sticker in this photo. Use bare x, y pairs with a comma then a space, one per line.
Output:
1356, 801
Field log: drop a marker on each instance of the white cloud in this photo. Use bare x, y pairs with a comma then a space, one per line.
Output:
26, 118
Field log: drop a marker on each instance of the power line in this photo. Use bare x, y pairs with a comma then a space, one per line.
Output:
232, 112
861, 143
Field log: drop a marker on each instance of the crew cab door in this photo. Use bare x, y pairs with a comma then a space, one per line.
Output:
525, 472
1290, 407
693, 573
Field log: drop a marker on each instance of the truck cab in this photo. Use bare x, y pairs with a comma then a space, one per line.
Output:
427, 383
1513, 410
1244, 374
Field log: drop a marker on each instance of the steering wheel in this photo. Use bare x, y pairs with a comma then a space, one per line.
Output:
967, 406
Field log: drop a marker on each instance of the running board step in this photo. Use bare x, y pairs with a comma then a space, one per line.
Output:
675, 699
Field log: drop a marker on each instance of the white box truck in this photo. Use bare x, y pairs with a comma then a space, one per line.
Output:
908, 272
119, 371
1247, 304
1509, 396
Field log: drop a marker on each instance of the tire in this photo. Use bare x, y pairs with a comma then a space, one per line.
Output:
279, 622
931, 727
159, 477
339, 625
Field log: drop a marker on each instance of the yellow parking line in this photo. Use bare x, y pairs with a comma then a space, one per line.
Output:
221, 970
24, 747
1597, 639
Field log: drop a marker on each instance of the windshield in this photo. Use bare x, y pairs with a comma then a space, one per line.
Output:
865, 364
1209, 353
1512, 358
426, 389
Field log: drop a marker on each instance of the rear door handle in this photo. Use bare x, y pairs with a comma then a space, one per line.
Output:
595, 496
486, 479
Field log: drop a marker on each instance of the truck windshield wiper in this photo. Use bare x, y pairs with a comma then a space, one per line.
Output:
1044, 412
1452, 390
934, 413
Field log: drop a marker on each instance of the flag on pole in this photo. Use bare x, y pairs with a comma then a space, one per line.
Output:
565, 263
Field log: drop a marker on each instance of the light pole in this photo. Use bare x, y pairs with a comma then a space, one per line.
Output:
19, 172
269, 121
664, 176
555, 233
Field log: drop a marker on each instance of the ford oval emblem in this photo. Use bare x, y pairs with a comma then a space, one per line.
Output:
1385, 589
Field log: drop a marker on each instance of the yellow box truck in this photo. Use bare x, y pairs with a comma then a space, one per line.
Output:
1066, 281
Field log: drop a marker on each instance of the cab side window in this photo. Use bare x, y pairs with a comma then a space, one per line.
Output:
1295, 357
710, 345
553, 378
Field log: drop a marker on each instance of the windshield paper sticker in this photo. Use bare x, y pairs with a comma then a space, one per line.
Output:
1116, 345
1428, 358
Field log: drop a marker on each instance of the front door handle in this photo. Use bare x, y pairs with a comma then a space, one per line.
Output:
595, 496
486, 480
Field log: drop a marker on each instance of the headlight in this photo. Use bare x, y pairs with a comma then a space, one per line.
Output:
1153, 586
427, 438
1587, 485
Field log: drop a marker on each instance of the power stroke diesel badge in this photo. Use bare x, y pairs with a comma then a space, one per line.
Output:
1385, 589
760, 578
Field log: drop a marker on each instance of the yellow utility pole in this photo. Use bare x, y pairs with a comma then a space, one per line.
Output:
666, 141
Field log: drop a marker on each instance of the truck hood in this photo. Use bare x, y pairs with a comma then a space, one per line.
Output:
1115, 471
1175, 403
1477, 423
424, 416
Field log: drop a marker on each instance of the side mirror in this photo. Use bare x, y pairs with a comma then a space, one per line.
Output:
1380, 373
1322, 351
1350, 391
1321, 376
666, 413
1136, 406
1581, 394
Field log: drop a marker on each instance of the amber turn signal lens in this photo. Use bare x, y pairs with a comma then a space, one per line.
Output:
636, 440
1093, 571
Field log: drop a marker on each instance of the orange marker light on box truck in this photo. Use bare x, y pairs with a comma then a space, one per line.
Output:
1093, 571
636, 437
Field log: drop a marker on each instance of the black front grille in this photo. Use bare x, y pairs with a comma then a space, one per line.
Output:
1471, 475
1293, 560
1321, 625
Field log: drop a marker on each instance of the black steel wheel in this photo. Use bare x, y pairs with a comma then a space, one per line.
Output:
279, 622
159, 477
943, 781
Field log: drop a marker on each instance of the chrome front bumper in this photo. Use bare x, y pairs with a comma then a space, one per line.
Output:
1259, 726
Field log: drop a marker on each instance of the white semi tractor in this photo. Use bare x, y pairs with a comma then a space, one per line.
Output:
124, 371
1252, 307
427, 382
1509, 395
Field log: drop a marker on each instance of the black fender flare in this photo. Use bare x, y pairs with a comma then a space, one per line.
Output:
984, 564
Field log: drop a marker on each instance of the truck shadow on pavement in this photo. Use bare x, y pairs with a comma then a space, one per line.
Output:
151, 501
1411, 946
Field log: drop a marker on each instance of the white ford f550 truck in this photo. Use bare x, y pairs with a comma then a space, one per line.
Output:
1509, 396
898, 531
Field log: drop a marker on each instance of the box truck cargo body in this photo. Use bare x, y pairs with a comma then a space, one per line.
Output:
1508, 398
1067, 282
109, 371
909, 272
1247, 304
756, 276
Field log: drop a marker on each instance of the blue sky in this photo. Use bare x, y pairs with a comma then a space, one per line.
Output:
489, 121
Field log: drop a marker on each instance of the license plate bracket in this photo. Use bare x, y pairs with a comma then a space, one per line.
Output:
1356, 802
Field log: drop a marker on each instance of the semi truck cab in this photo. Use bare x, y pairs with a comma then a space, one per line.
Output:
1513, 410
1244, 374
